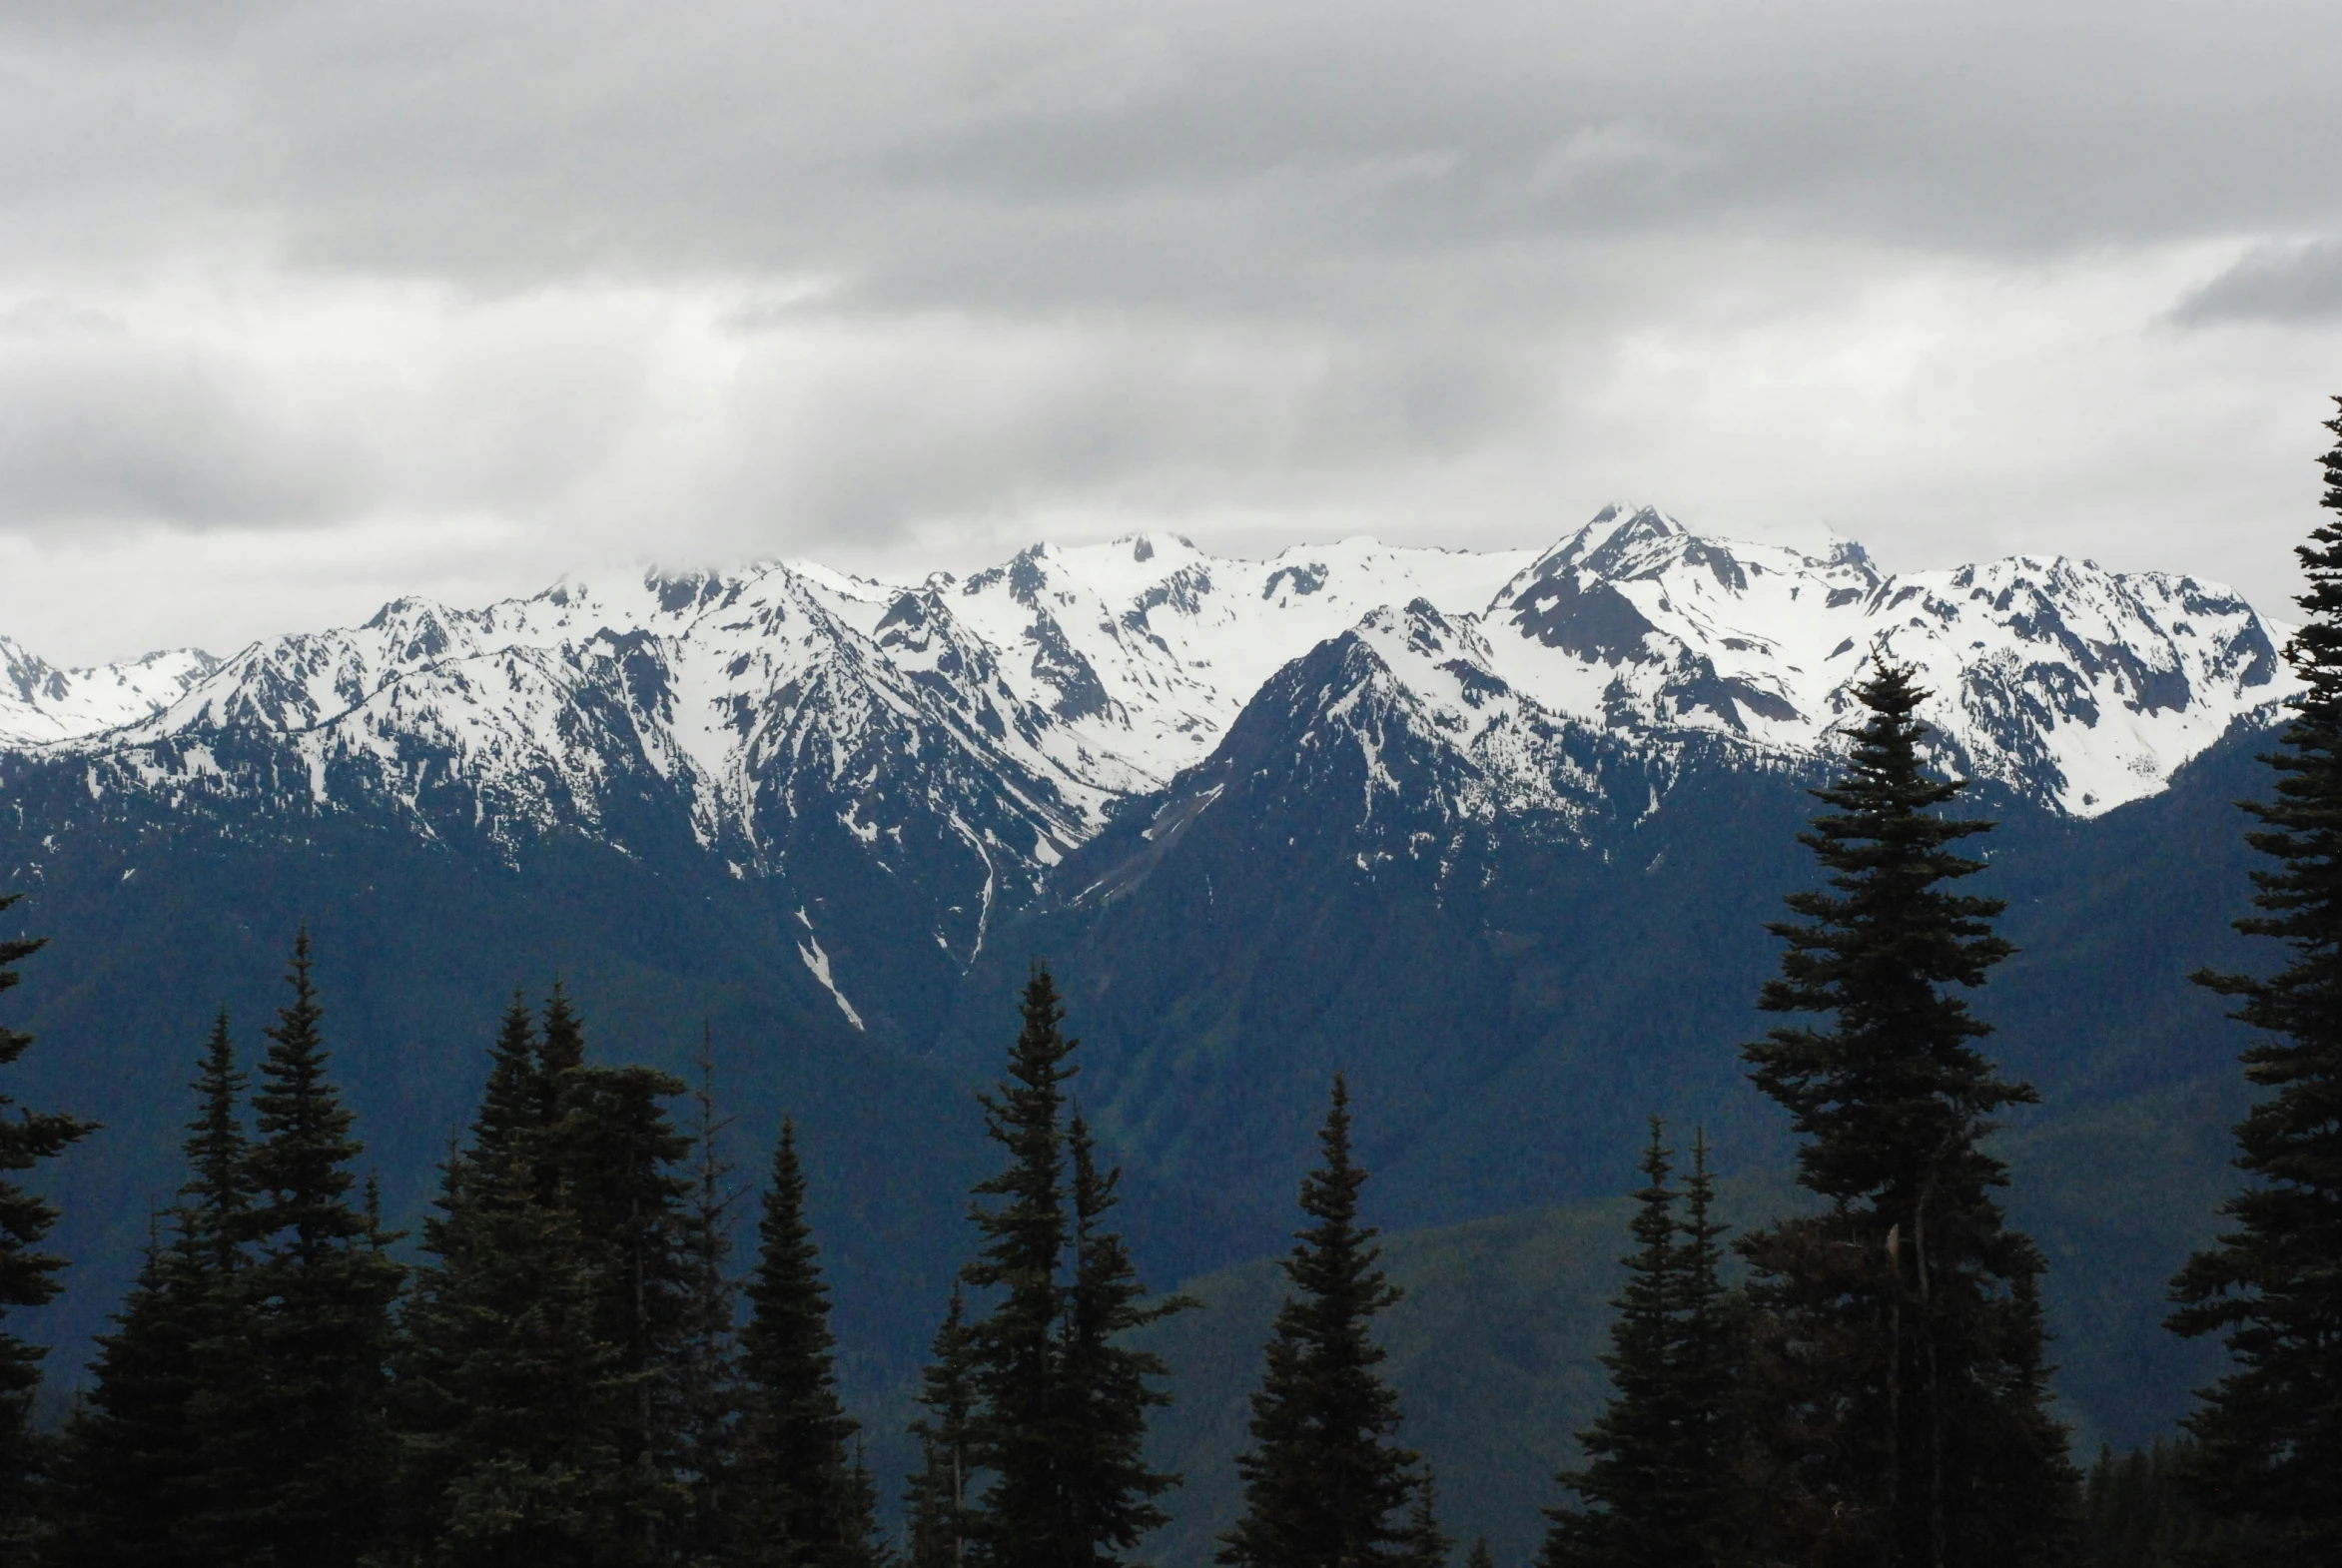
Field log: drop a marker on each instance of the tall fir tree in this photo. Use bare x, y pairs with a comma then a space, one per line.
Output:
1428, 1543
616, 1160
298, 1443
1652, 1489
708, 1393
507, 1401
1059, 1419
1904, 1401
2270, 1433
137, 1486
1325, 1483
802, 1496
217, 1195
1014, 1350
938, 1522
28, 1274
1106, 1387
1710, 1350
130, 1448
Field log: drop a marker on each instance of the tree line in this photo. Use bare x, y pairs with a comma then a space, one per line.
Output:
572, 1375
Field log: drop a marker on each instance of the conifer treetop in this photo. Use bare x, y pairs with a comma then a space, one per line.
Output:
302, 1149
1325, 1483
1897, 1082
219, 1187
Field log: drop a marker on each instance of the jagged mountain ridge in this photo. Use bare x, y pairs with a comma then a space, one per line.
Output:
952, 740
40, 703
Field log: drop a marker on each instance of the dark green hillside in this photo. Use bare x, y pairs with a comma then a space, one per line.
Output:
1509, 1024
419, 949
1493, 1348
1506, 1025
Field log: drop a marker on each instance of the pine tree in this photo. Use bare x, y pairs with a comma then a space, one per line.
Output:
1426, 1544
1481, 1557
218, 1191
1014, 1350
708, 1393
2270, 1432
1324, 1484
515, 1107
1060, 1414
1906, 1420
1631, 1480
299, 1444
615, 1160
28, 1275
1104, 1386
804, 1501
939, 1523
508, 1403
130, 1450
136, 1481
1709, 1351
563, 1049
1654, 1484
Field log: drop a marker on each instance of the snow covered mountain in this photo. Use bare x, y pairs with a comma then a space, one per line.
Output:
958, 738
2073, 684
40, 703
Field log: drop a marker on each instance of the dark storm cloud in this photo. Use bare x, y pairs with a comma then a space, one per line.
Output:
1014, 153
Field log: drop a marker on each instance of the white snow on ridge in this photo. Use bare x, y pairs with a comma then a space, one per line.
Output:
39, 702
1022, 702
1147, 649
2076, 685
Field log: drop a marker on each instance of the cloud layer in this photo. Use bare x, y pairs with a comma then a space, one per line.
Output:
305, 304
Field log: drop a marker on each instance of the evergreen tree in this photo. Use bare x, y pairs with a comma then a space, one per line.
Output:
2138, 1511
708, 1393
1481, 1557
1709, 1350
2270, 1432
1631, 1478
28, 1275
938, 1520
618, 1161
136, 1479
1060, 1414
1104, 1388
298, 1443
217, 1192
805, 1501
563, 1049
1905, 1410
507, 1400
129, 1451
515, 1107
1654, 1486
1426, 1544
1324, 1484
1014, 1350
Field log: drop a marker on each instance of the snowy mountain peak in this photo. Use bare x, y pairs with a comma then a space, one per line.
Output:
964, 733
40, 703
2065, 681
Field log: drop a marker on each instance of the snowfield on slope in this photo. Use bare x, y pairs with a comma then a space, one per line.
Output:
1023, 702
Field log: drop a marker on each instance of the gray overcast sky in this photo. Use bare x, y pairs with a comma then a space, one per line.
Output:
306, 305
